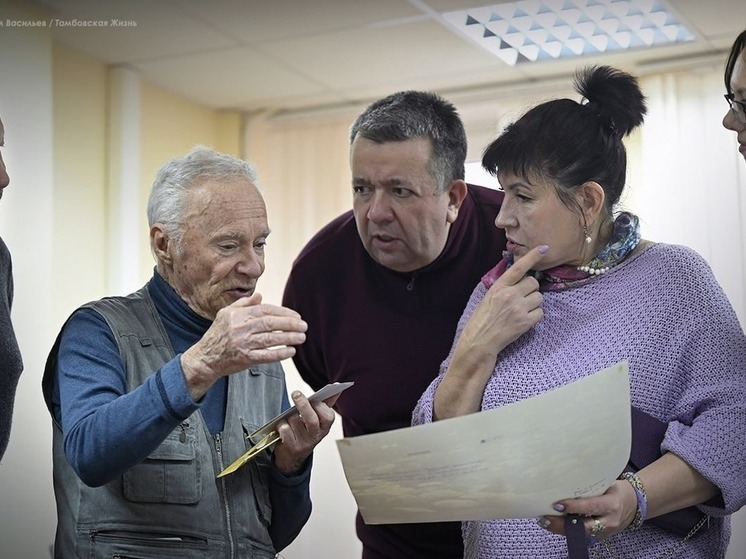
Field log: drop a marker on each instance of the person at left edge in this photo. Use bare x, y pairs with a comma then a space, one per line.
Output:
153, 394
11, 363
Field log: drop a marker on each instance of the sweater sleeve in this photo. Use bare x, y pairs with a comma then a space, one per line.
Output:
423, 411
107, 429
708, 429
291, 504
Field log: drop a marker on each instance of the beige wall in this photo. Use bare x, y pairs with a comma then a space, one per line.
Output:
79, 204
170, 126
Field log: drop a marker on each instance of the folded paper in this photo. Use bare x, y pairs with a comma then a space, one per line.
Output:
510, 462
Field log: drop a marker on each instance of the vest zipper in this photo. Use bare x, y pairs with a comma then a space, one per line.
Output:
224, 491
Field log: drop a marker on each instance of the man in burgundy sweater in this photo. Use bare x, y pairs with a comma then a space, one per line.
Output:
383, 286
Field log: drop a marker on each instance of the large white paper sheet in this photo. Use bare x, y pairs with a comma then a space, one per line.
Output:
509, 462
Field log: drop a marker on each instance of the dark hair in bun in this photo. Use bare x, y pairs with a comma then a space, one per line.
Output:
570, 143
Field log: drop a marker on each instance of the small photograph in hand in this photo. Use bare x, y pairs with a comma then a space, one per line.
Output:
268, 431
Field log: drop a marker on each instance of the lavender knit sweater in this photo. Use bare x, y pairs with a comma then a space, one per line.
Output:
665, 313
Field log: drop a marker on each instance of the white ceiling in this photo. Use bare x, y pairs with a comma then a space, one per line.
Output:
289, 55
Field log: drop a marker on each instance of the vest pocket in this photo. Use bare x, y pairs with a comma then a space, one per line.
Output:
125, 544
171, 474
259, 475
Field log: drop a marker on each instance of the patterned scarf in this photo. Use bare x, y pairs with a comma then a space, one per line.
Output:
624, 239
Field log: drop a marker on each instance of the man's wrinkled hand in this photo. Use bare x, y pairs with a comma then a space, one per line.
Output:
300, 434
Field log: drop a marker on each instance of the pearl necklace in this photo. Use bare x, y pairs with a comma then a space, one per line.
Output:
624, 239
593, 271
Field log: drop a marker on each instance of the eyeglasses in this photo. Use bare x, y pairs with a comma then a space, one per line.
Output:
738, 107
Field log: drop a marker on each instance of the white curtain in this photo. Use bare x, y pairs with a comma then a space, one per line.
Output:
304, 177
687, 182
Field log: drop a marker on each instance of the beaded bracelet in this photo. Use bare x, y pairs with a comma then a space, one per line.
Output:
642, 499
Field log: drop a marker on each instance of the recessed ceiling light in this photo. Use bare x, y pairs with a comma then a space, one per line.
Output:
532, 30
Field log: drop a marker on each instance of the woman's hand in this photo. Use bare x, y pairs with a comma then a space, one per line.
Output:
509, 309
606, 514
669, 483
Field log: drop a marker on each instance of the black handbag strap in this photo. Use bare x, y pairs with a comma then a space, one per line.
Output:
577, 545
647, 436
649, 433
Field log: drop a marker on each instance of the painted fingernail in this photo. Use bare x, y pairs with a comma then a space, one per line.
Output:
543, 522
543, 249
559, 507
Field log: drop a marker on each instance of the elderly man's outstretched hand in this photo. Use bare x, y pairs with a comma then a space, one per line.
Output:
245, 333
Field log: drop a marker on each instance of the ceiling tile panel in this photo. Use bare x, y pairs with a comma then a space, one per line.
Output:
262, 20
291, 54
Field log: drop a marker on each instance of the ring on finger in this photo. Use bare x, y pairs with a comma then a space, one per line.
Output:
597, 527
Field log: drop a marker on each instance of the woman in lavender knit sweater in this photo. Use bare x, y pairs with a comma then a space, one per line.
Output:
598, 294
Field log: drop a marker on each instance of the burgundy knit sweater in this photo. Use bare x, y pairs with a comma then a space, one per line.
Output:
389, 332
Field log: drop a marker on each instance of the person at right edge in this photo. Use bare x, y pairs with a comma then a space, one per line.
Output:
735, 85
579, 290
382, 286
